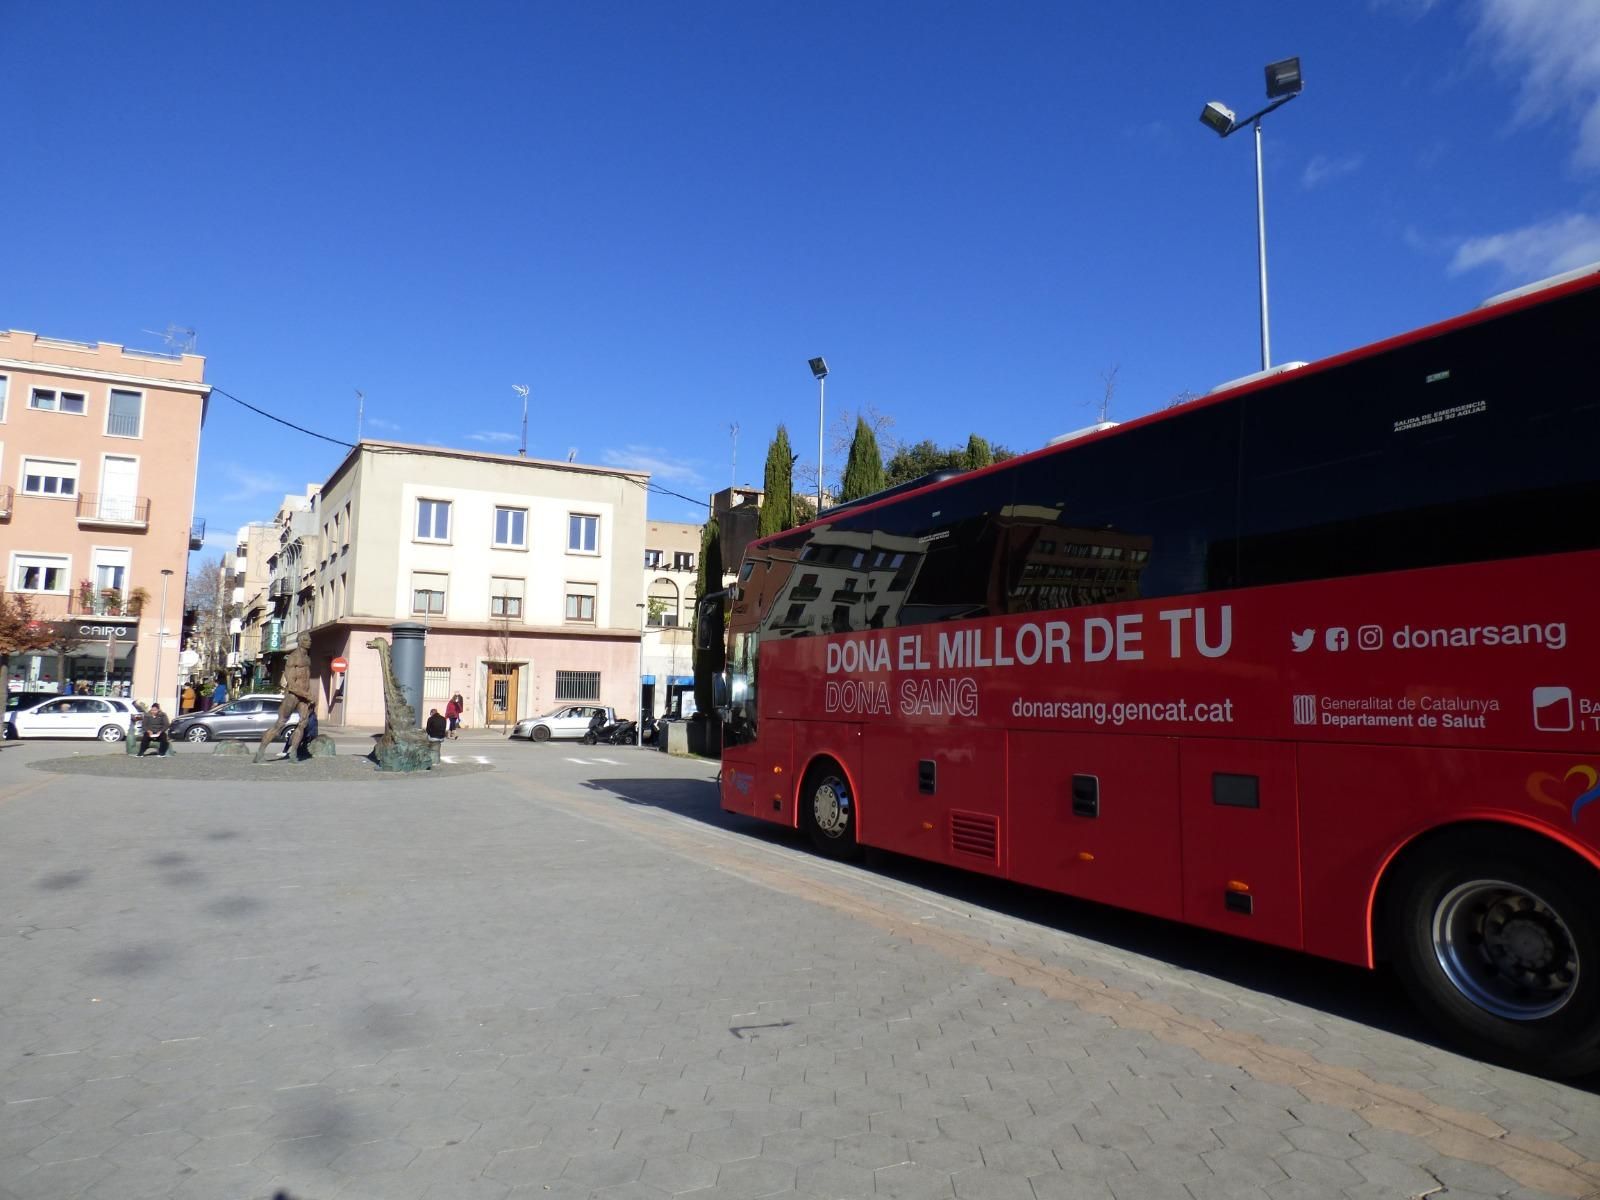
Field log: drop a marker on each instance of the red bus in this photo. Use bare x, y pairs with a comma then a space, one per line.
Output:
1313, 660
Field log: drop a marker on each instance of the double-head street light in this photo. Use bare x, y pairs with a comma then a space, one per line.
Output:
1283, 85
819, 368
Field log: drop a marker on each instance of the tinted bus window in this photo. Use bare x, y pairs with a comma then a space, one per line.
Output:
1145, 513
1474, 446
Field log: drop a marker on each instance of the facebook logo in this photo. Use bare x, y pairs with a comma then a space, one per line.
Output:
1337, 638
1305, 710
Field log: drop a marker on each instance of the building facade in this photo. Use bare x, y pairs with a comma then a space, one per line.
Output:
524, 572
99, 448
671, 568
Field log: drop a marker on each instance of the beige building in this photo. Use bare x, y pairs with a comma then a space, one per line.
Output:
525, 573
671, 568
253, 547
98, 452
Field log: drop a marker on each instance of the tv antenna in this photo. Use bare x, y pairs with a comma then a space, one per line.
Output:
176, 338
733, 432
572, 454
521, 389
361, 411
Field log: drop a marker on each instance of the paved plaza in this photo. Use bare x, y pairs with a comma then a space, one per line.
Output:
568, 974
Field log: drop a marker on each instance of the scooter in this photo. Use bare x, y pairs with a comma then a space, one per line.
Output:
623, 733
647, 734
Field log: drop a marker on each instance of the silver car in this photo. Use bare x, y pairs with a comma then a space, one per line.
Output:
569, 721
244, 719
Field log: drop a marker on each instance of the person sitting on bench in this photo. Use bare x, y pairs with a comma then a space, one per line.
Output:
155, 725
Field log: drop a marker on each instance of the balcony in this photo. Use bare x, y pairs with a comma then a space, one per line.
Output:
197, 534
6, 494
278, 588
114, 512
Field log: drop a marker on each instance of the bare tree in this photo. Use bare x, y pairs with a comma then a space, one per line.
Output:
21, 630
210, 595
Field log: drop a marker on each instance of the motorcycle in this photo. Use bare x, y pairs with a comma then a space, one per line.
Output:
647, 734
621, 733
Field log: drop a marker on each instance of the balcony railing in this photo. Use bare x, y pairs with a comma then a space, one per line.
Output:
197, 534
123, 424
6, 494
130, 512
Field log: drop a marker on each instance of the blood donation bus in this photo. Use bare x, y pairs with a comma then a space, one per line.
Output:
1313, 660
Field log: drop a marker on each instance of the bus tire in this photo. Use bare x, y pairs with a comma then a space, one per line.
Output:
1495, 935
828, 810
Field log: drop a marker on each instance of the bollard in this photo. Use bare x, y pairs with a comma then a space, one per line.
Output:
407, 650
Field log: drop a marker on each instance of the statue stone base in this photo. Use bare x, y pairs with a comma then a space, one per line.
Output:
319, 747
233, 749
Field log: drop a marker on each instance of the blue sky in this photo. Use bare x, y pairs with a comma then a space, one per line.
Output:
654, 214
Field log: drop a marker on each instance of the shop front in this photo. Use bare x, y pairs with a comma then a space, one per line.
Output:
87, 654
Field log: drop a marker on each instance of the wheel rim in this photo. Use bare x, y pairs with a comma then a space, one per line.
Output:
111, 734
197, 734
541, 734
1505, 949
830, 807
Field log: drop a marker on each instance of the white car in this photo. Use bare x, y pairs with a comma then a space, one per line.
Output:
571, 721
76, 717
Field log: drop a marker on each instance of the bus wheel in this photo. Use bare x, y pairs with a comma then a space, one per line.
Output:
1494, 939
828, 808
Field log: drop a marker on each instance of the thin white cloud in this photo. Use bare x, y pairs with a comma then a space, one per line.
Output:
652, 459
1322, 168
492, 437
1553, 46
249, 484
1414, 9
380, 424
1534, 251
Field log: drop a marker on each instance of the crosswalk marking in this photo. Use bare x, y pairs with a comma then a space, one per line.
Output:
460, 758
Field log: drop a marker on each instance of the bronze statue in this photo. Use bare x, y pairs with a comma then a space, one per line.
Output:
297, 698
403, 747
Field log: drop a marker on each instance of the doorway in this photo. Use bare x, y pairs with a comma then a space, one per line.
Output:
501, 704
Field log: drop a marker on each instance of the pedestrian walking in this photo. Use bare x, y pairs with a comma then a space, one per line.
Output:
452, 713
156, 723
219, 695
187, 703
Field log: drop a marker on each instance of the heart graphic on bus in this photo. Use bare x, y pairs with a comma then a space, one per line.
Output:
1545, 788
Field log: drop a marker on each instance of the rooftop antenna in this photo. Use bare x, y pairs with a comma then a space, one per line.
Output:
572, 454
176, 338
733, 432
521, 389
361, 411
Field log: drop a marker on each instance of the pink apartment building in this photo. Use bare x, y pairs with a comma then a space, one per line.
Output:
99, 448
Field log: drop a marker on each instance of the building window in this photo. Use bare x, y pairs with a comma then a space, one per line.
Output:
505, 598
48, 477
583, 534
50, 400
40, 573
427, 594
580, 601
683, 560
4, 386
125, 414
511, 528
110, 577
577, 685
652, 559
661, 605
435, 684
433, 520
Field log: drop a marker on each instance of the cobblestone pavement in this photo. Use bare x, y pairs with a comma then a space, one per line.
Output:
571, 975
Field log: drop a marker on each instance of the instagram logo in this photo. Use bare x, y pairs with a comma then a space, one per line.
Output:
1370, 637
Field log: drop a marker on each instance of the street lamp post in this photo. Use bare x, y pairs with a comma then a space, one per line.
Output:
1284, 82
819, 368
161, 632
644, 616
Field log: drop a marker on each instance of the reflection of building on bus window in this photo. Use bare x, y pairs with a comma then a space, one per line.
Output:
742, 686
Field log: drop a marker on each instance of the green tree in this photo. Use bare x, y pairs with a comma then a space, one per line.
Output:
777, 485
708, 660
914, 461
863, 472
21, 630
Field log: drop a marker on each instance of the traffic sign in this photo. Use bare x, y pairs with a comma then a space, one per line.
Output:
340, 666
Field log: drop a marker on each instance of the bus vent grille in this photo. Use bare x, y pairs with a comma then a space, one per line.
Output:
974, 833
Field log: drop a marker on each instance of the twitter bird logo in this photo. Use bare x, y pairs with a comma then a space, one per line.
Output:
1302, 640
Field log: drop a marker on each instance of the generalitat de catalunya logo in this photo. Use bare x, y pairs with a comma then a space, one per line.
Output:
1547, 789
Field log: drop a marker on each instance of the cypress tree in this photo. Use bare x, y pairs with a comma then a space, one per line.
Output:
863, 471
710, 659
978, 453
777, 484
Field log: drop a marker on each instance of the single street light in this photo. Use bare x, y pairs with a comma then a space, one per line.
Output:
819, 368
161, 633
644, 617
1284, 83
